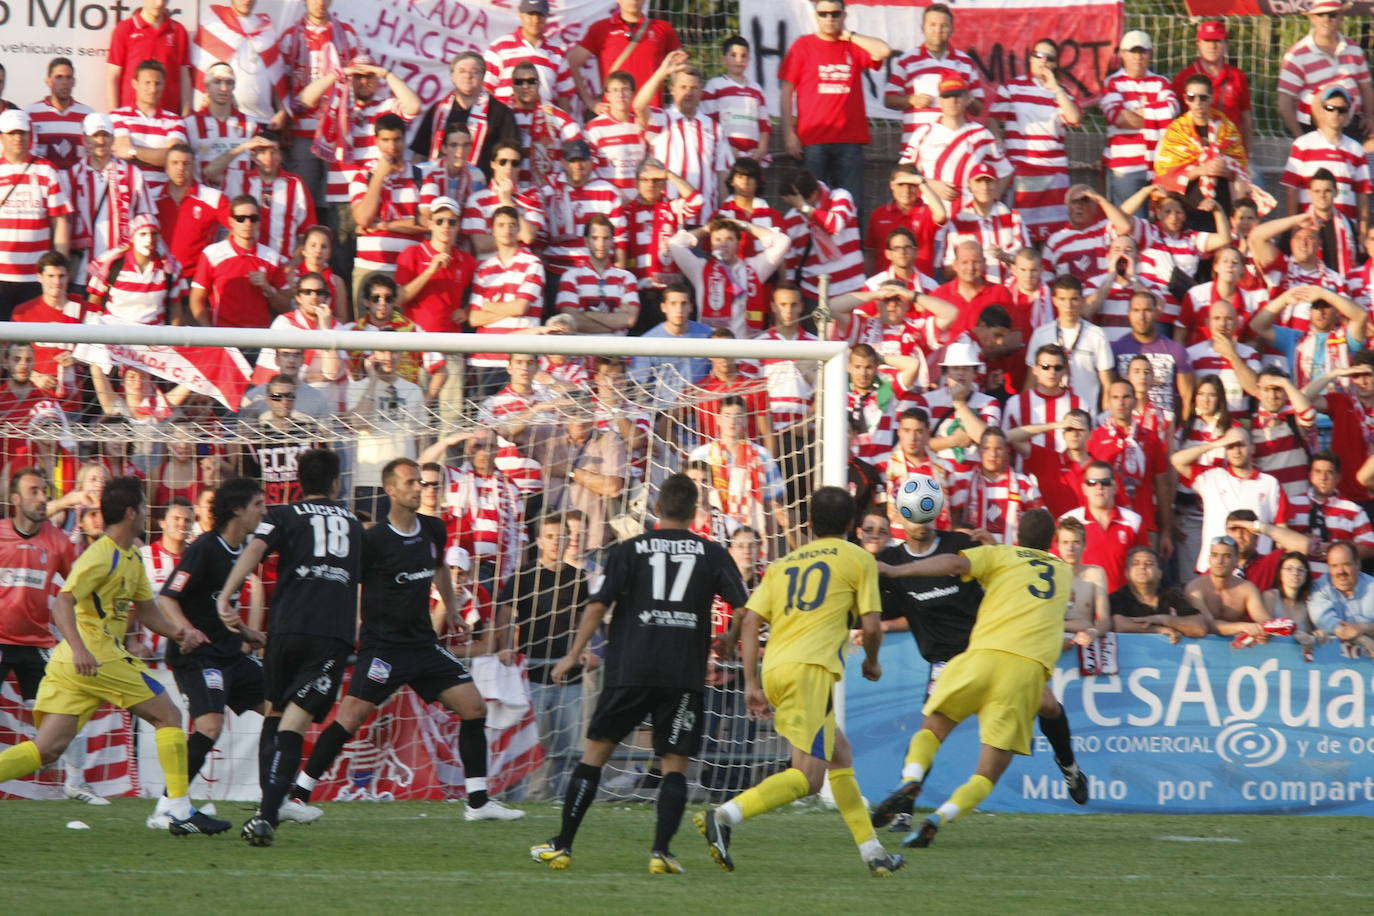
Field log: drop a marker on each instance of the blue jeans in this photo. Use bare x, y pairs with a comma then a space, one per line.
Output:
1120, 187
839, 165
558, 710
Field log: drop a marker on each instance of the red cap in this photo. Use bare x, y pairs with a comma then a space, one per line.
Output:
1211, 31
982, 170
953, 82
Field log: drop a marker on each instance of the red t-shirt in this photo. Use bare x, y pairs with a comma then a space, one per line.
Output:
608, 38
1107, 547
135, 41
433, 307
1135, 461
969, 309
1060, 479
918, 219
235, 302
190, 226
34, 567
828, 77
1351, 431
45, 358
1263, 571
755, 403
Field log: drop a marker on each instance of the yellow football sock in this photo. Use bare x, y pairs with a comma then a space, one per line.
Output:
171, 753
20, 760
845, 788
920, 753
774, 792
965, 798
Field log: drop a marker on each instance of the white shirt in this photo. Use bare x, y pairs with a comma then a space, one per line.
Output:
1089, 354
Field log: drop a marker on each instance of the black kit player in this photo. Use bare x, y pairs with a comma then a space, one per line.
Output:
402, 556
312, 623
660, 587
218, 673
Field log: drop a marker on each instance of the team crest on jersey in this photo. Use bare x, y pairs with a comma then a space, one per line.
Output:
379, 671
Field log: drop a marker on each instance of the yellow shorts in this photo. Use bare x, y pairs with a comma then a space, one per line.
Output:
125, 682
803, 701
1002, 689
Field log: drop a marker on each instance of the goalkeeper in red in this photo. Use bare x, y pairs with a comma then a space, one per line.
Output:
1002, 674
808, 598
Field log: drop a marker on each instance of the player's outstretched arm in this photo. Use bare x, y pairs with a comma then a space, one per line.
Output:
167, 619
586, 629
754, 697
64, 618
247, 562
946, 564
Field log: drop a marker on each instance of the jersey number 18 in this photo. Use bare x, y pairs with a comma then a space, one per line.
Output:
331, 535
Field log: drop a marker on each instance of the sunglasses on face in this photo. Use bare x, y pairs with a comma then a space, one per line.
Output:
829, 14
1199, 97
1042, 55
1098, 482
279, 396
507, 161
382, 298
429, 483
313, 291
246, 217
525, 81
1339, 109
446, 221
1051, 367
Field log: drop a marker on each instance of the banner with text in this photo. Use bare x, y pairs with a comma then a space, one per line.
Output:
1210, 8
1197, 728
997, 34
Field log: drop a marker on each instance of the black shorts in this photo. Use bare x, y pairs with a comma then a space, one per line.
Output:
28, 664
211, 684
676, 715
429, 672
304, 670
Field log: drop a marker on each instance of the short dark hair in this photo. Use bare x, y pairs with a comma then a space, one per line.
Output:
1244, 202
505, 211
1066, 281
722, 224
1363, 358
939, 8
119, 496
1199, 79
678, 287
273, 136
995, 316
1242, 515
1053, 349
832, 512
733, 41
622, 76
376, 279
60, 62
677, 498
230, 497
748, 167
181, 148
150, 65
598, 219
53, 258
20, 474
915, 413
803, 183
1036, 529
244, 199
316, 471
1328, 456
901, 232
395, 464
1322, 174
864, 350
512, 145
389, 121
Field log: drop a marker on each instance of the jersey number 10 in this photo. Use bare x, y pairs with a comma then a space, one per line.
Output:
813, 580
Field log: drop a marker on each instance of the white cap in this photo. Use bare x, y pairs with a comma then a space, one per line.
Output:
12, 119
445, 203
95, 122
962, 353
458, 558
1136, 39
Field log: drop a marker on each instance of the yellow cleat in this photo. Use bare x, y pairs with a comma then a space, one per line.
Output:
661, 863
555, 857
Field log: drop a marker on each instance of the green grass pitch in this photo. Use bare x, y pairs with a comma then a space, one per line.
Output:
422, 858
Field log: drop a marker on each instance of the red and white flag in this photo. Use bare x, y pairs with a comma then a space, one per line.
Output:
220, 372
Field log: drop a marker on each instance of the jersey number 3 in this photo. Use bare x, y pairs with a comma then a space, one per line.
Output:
331, 535
1046, 573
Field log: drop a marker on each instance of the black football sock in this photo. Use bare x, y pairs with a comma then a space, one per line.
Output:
198, 747
327, 748
1056, 729
267, 745
581, 793
472, 750
672, 801
285, 762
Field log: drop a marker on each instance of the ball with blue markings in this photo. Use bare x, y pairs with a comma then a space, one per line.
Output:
920, 499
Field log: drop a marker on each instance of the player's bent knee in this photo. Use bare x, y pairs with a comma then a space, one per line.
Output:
210, 725
353, 712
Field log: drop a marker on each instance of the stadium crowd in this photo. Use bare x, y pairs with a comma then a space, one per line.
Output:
1174, 365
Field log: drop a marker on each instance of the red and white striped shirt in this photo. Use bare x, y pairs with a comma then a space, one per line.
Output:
138, 296
740, 109
790, 395
832, 231
1307, 68
1114, 315
619, 148
252, 46
649, 227
1001, 229
759, 214
543, 131
160, 563
919, 72
1196, 432
1032, 126
284, 205
550, 61
103, 202
1327, 519
693, 148
495, 281
1283, 273
58, 136
1186, 250
873, 422
31, 196
485, 516
949, 154
1279, 452
1031, 408
1206, 362
866, 326
1132, 149
363, 145
210, 137
584, 289
158, 130
1344, 159
477, 211
1078, 252
994, 505
566, 209
308, 52
1193, 310
517, 467
400, 199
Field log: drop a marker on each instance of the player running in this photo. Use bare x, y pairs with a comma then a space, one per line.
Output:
1002, 675
402, 556
219, 673
91, 666
808, 599
312, 627
660, 587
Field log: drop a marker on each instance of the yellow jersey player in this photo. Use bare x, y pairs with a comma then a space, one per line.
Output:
1000, 677
91, 665
809, 599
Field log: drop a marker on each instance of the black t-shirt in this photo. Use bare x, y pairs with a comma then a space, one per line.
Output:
500, 126
196, 584
274, 463
940, 610
398, 570
548, 604
1124, 602
661, 586
319, 546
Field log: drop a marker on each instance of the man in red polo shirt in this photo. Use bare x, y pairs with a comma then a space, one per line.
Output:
1139, 464
913, 206
1058, 470
434, 275
149, 34
239, 283
53, 369
970, 291
1111, 530
1230, 86
188, 212
628, 41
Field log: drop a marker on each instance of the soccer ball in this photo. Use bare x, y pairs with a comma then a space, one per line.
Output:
920, 499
